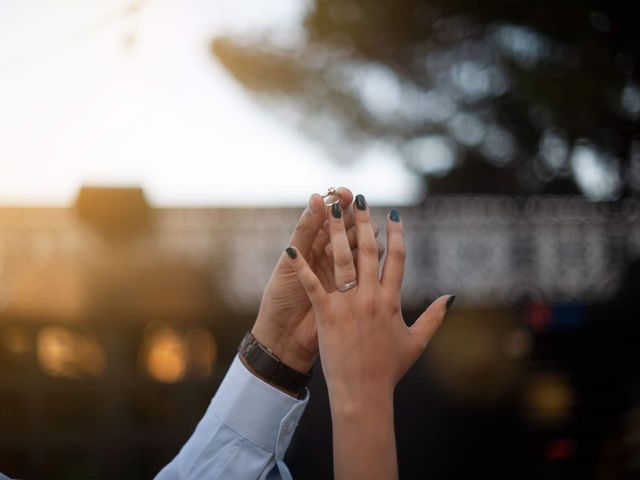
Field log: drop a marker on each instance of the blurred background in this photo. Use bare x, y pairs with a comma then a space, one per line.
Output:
155, 155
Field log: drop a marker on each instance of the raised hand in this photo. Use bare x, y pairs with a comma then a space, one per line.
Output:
285, 321
365, 345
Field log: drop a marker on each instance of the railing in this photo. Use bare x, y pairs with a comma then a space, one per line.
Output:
488, 250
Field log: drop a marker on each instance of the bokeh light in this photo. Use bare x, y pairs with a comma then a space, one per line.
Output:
63, 352
168, 355
155, 156
549, 398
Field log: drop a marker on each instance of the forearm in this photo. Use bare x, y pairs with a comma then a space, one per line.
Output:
364, 439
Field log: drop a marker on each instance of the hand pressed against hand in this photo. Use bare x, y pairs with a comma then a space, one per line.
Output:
365, 345
285, 321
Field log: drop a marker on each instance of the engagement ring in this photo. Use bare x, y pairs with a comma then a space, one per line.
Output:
332, 196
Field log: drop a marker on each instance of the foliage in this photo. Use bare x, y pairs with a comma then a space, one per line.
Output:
493, 96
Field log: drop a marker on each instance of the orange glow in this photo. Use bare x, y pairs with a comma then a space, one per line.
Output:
64, 353
164, 354
56, 291
168, 355
549, 398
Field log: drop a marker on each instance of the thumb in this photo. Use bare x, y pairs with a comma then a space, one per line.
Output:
428, 323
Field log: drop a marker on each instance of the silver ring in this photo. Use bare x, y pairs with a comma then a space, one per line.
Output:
331, 197
347, 286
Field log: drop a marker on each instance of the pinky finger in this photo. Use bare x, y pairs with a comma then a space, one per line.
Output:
310, 282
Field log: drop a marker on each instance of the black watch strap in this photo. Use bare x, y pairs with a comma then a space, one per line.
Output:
267, 365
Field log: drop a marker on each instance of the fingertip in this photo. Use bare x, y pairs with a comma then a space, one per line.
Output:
316, 204
360, 202
430, 321
441, 301
443, 304
394, 222
336, 211
346, 196
291, 252
450, 300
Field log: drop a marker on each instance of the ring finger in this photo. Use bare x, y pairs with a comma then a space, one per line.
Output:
344, 268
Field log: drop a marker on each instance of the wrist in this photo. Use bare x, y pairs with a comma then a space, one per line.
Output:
361, 411
285, 348
266, 365
355, 403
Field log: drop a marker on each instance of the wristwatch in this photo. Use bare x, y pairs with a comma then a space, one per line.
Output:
265, 364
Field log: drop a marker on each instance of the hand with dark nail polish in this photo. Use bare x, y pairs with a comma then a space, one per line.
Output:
285, 322
365, 345
336, 210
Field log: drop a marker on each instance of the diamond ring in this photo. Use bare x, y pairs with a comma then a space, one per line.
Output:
332, 196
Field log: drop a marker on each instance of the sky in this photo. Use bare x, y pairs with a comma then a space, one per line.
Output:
102, 93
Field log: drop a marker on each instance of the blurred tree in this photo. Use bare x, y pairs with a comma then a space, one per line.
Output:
493, 96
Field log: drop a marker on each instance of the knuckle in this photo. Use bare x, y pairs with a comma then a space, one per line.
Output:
343, 260
313, 288
330, 320
395, 230
387, 299
369, 249
363, 220
397, 253
302, 228
366, 304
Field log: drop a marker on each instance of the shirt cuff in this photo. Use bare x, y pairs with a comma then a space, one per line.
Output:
256, 410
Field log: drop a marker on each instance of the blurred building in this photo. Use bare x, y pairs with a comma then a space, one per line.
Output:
118, 320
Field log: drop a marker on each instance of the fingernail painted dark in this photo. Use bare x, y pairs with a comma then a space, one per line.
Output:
452, 298
291, 252
394, 215
336, 210
361, 203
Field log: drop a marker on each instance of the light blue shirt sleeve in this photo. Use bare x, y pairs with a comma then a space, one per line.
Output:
244, 433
